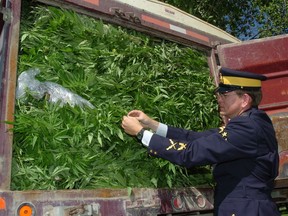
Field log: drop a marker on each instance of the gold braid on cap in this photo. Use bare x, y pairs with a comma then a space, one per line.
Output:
240, 81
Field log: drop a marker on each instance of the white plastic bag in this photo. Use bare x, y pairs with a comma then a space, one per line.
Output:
27, 83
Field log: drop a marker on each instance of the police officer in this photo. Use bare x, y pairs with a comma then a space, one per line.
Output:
244, 150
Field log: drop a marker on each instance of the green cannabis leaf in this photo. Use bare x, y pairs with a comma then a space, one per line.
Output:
117, 70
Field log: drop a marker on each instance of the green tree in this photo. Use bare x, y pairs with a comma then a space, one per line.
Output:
272, 18
241, 18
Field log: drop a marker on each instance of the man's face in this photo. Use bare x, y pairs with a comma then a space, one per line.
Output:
230, 104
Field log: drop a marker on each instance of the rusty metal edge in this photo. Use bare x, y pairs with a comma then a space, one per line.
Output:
8, 94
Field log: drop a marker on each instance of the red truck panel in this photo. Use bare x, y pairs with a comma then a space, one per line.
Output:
268, 56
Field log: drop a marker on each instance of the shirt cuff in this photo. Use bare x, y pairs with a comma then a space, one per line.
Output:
147, 135
162, 130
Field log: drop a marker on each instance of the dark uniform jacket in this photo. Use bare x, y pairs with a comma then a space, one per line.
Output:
245, 159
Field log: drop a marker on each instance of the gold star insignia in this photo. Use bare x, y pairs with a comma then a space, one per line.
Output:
223, 133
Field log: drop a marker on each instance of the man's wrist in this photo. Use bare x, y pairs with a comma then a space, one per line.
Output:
140, 134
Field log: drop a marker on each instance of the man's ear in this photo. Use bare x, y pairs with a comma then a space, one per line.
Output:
247, 100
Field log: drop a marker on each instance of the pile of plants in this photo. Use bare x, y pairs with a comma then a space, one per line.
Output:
116, 70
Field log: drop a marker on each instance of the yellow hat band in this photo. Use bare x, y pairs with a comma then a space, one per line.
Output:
240, 81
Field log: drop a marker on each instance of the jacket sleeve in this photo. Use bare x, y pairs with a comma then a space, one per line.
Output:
182, 134
237, 140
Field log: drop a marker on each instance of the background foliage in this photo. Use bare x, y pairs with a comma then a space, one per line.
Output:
116, 70
241, 18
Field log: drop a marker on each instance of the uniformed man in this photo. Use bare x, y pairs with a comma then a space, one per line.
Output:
244, 150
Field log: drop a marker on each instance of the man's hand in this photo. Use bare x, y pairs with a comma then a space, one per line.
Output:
145, 120
140, 116
131, 125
